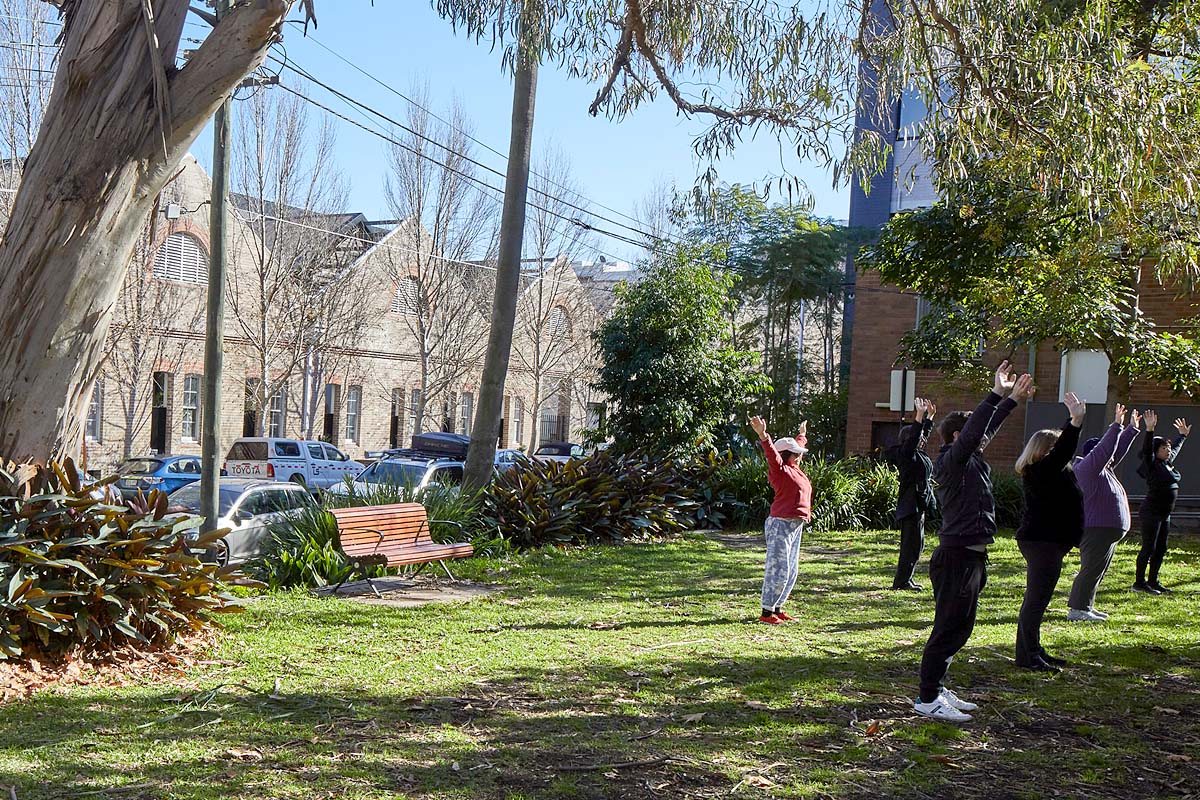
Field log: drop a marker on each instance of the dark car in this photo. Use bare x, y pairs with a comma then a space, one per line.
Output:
558, 451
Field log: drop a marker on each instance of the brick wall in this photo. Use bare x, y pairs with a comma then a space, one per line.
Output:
884, 315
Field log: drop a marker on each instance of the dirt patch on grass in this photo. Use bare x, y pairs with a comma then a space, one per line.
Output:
128, 666
411, 592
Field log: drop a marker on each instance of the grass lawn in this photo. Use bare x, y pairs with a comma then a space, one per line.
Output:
636, 672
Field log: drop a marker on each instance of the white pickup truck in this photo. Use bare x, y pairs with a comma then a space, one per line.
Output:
315, 465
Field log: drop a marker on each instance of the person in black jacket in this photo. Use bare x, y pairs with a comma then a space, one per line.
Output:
916, 496
958, 567
1162, 490
1051, 525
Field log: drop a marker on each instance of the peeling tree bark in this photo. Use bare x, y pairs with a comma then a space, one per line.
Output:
120, 120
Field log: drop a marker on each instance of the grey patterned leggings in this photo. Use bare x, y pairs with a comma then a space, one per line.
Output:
783, 557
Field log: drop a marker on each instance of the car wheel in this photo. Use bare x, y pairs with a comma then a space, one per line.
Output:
220, 553
298, 479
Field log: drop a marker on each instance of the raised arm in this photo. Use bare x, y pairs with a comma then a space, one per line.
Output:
1064, 449
1125, 440
1094, 462
774, 461
1184, 429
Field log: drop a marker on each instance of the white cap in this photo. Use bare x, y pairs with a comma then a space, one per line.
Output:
789, 445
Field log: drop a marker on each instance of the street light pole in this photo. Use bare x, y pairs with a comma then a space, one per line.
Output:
214, 340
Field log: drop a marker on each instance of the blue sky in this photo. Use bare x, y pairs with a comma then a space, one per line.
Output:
616, 163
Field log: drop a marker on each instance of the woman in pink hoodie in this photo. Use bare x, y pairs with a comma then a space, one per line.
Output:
790, 511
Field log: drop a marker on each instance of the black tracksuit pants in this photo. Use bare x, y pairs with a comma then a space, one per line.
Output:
1155, 531
1043, 566
958, 575
912, 542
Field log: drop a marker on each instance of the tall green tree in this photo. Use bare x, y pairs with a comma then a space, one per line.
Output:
1093, 106
788, 266
1013, 269
668, 361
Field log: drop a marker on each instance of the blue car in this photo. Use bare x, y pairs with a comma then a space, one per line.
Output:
165, 473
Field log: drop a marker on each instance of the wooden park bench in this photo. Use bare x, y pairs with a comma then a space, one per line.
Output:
392, 536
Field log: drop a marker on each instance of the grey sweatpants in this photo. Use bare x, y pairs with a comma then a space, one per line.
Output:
1095, 555
783, 560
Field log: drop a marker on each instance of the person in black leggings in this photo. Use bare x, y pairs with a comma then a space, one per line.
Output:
1162, 490
1051, 525
916, 496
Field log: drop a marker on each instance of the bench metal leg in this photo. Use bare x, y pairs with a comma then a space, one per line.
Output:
446, 569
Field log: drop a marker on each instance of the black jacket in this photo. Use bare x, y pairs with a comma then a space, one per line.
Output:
1162, 480
964, 479
915, 468
1053, 499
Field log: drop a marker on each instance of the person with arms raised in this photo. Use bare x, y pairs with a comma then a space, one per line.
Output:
958, 567
1162, 490
915, 497
1106, 518
1051, 525
790, 511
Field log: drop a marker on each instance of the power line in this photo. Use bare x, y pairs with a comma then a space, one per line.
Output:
292, 66
446, 122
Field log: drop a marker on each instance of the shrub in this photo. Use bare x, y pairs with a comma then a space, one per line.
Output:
301, 552
835, 495
878, 490
1010, 498
605, 498
78, 574
747, 495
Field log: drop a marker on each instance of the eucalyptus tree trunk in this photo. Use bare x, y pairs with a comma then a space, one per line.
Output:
120, 119
486, 431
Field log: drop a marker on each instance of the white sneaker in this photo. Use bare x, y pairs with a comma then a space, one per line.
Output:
1099, 614
1077, 615
940, 710
954, 701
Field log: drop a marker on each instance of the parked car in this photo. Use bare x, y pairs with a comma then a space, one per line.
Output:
558, 451
165, 473
509, 459
412, 472
315, 465
247, 508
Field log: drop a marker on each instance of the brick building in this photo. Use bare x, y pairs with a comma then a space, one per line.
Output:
878, 316
362, 398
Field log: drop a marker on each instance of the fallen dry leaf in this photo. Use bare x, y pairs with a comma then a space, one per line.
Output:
1170, 711
244, 754
757, 706
943, 760
694, 717
759, 782
873, 728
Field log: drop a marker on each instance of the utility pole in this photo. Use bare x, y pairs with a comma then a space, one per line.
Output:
214, 340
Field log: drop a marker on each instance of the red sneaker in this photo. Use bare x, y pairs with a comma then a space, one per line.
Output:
783, 615
770, 619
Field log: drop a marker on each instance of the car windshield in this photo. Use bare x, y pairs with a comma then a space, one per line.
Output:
189, 497
393, 474
140, 466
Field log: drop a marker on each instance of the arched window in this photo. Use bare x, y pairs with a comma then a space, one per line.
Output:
559, 324
181, 258
407, 299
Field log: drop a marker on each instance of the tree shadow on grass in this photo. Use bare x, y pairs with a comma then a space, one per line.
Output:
687, 727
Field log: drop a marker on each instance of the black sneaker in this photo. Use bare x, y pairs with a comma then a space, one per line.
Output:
1040, 664
1053, 661
1158, 588
1141, 586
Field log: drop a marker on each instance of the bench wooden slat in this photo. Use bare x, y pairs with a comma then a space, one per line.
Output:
397, 533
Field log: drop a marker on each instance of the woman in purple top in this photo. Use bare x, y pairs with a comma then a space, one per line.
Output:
1106, 518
